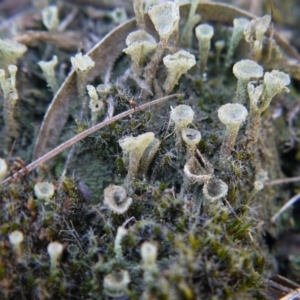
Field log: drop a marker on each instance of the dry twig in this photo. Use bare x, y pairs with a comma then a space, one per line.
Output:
81, 136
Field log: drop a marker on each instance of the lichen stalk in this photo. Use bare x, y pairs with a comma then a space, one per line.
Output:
240, 24
204, 33
49, 72
253, 125
228, 142
11, 97
231, 115
139, 13
165, 18
186, 35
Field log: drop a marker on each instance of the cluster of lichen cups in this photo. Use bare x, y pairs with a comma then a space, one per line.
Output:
255, 90
256, 97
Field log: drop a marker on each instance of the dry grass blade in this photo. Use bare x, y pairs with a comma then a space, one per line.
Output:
283, 181
285, 207
81, 136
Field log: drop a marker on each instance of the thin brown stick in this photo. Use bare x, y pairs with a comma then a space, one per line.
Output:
283, 181
287, 205
62, 147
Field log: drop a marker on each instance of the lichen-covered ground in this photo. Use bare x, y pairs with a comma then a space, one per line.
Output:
227, 249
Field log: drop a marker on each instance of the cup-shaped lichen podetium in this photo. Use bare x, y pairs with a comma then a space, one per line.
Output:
139, 45
148, 155
194, 172
245, 71
204, 33
81, 64
133, 148
10, 51
215, 189
44, 190
231, 115
274, 83
55, 250
191, 137
254, 34
149, 255
115, 197
115, 283
165, 18
16, 238
182, 116
177, 65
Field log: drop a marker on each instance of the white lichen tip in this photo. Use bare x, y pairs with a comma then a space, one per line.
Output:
191, 136
104, 89
149, 253
16, 237
10, 52
133, 149
219, 45
260, 178
177, 65
164, 17
140, 142
139, 45
277, 80
46, 65
55, 250
215, 189
182, 115
48, 68
96, 105
247, 69
115, 197
257, 28
180, 62
140, 36
240, 23
12, 69
3, 168
92, 92
204, 32
254, 93
115, 283
50, 17
232, 114
44, 190
82, 63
